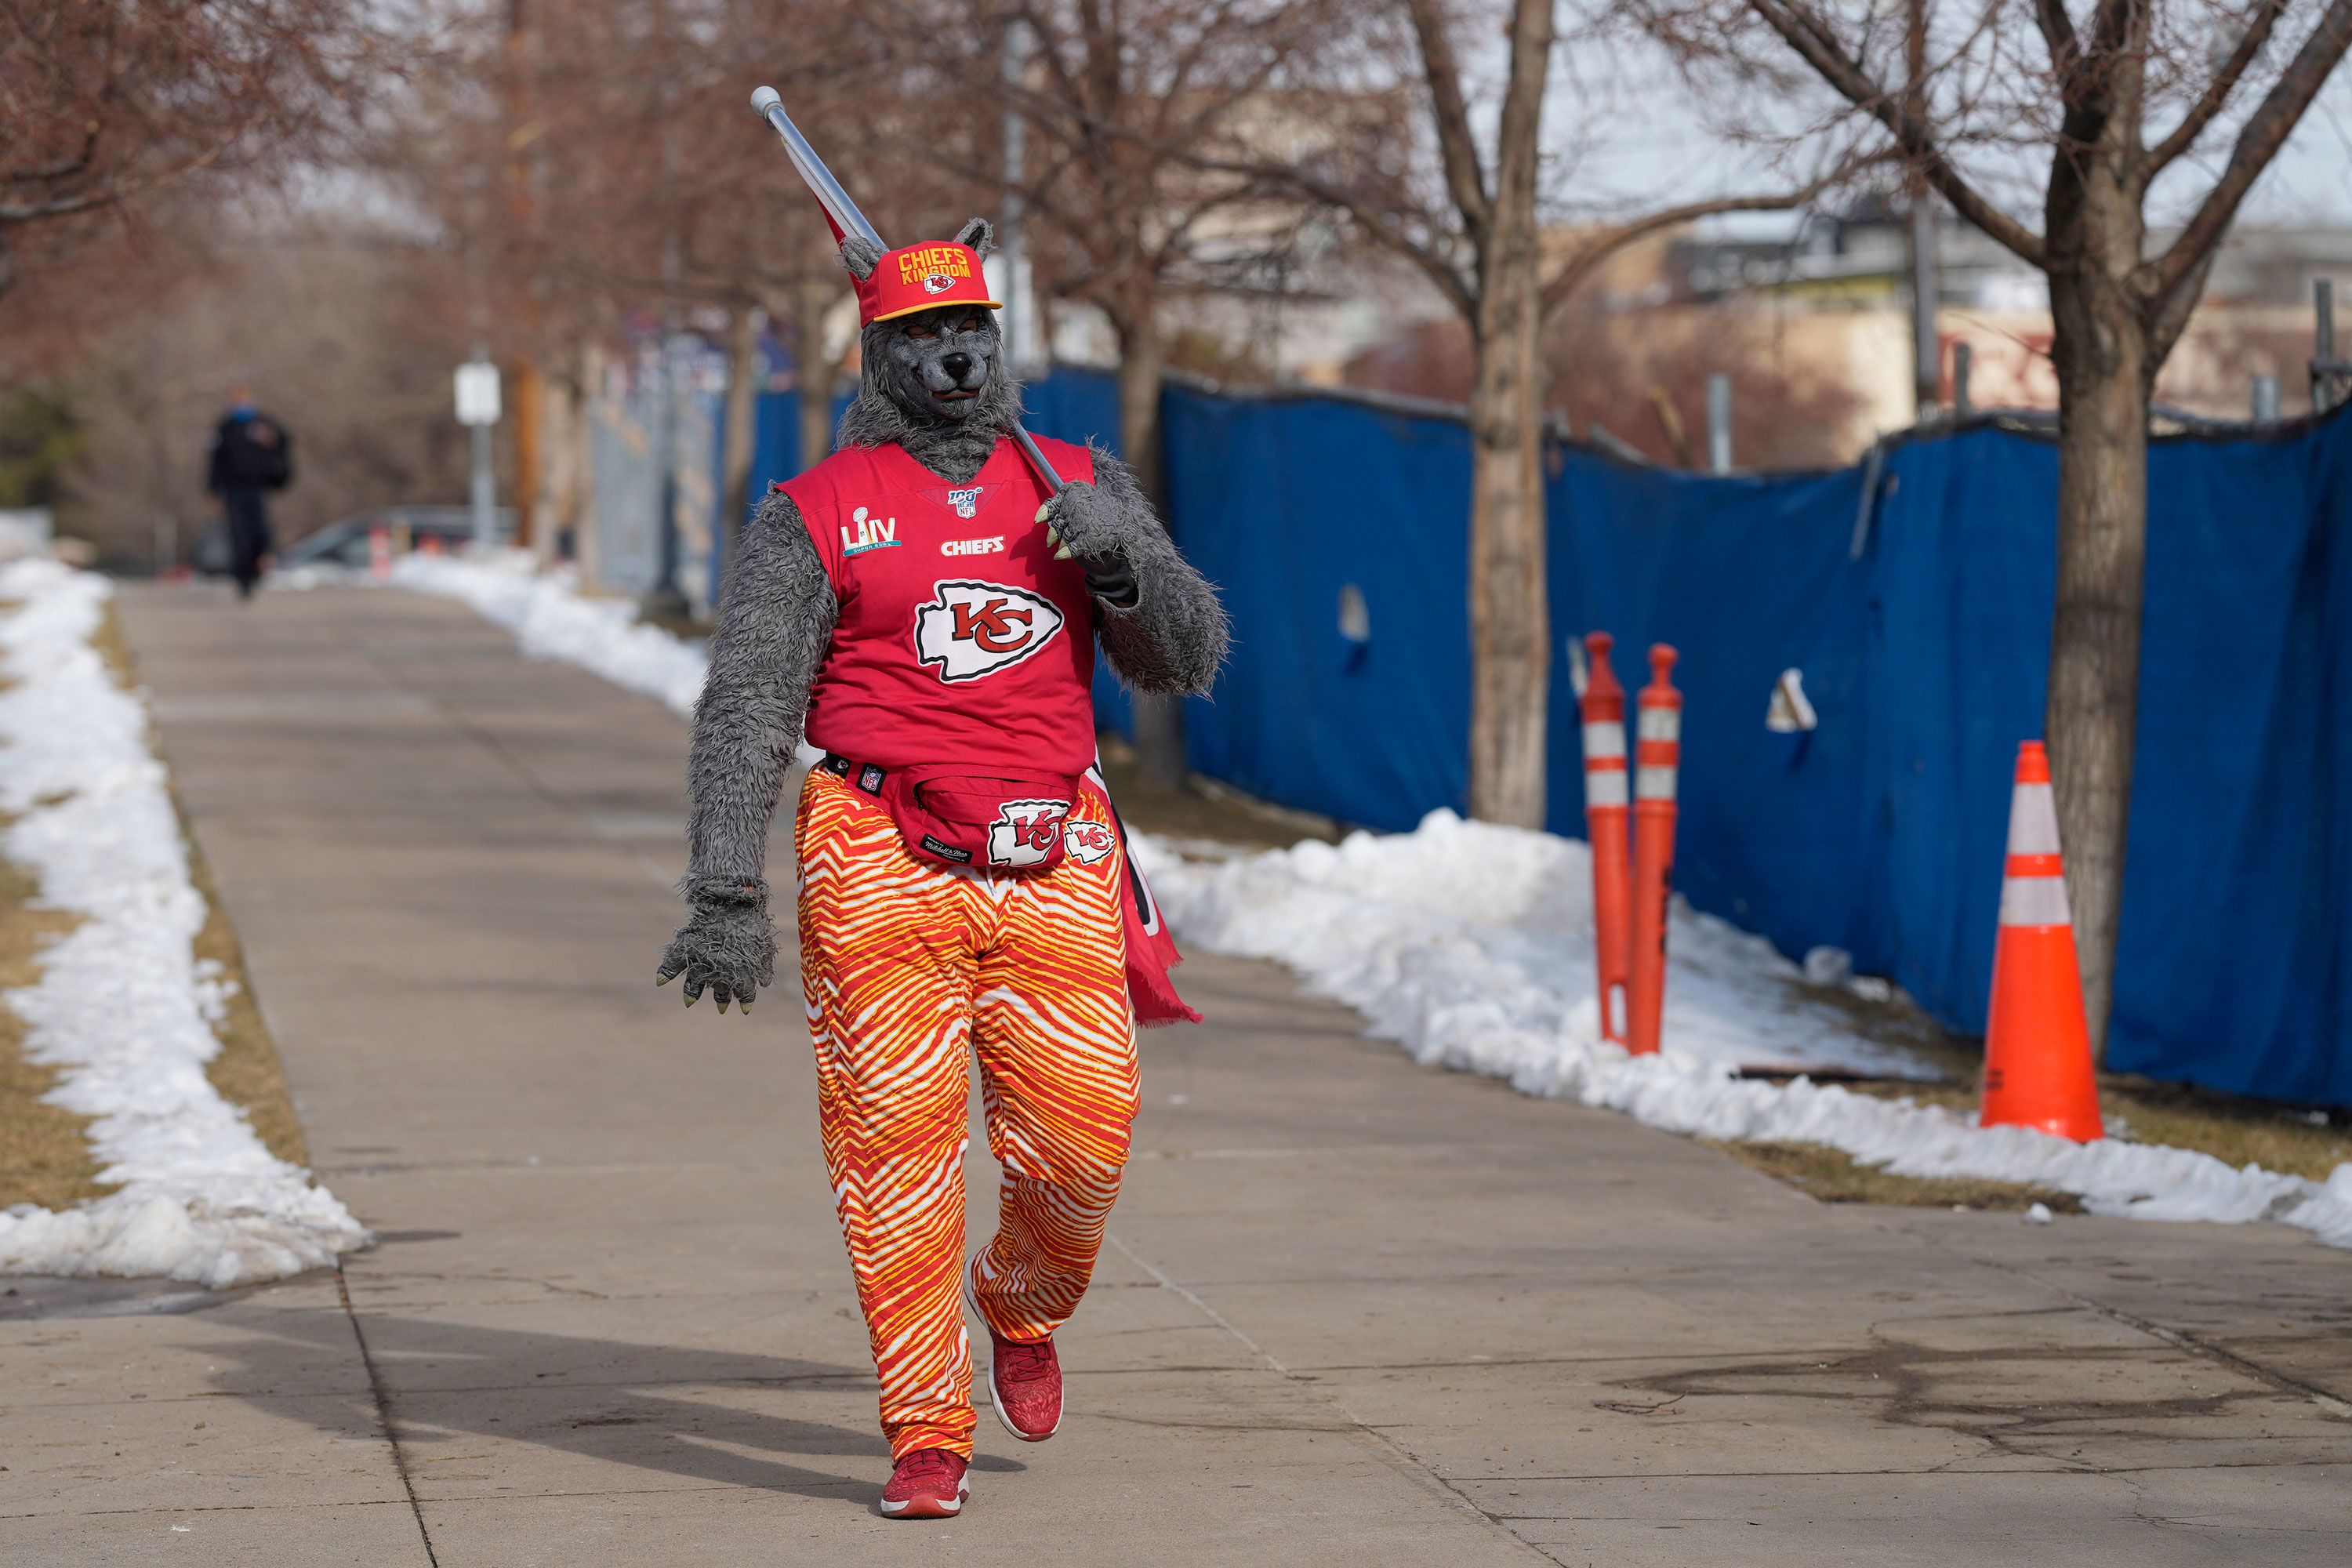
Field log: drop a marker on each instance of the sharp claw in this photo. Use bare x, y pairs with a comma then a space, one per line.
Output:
1063, 553
1043, 511
692, 997
663, 979
747, 1009
1053, 536
722, 1003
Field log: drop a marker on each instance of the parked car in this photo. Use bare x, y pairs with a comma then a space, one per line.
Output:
345, 542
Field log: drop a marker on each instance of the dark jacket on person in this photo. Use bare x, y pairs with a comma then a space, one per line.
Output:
251, 451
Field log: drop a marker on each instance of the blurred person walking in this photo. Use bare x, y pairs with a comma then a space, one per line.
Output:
252, 454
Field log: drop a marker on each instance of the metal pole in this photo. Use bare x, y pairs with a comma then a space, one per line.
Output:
1963, 360
2266, 400
1718, 423
485, 518
1010, 242
2323, 351
1927, 366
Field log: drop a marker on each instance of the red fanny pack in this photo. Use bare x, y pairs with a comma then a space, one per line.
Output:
1000, 822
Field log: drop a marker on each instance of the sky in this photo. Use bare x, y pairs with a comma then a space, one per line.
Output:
1625, 133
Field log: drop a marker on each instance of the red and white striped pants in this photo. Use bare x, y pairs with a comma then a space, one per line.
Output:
908, 967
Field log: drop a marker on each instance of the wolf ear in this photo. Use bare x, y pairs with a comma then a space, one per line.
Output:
980, 235
860, 255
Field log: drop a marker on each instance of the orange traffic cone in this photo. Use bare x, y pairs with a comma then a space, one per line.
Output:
2037, 1043
1657, 770
1605, 814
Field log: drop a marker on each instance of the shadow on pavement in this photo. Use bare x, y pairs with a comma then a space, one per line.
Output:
674, 1410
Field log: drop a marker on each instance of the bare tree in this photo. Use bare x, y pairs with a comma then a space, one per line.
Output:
102, 103
1474, 231
1956, 88
617, 172
1135, 189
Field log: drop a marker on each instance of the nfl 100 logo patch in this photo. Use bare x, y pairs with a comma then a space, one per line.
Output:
966, 501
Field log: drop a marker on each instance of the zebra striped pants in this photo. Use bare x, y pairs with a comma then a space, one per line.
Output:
908, 967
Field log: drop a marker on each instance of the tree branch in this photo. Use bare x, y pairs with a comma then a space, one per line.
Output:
2058, 33
2217, 92
1589, 257
1465, 182
2258, 143
1819, 48
1458, 292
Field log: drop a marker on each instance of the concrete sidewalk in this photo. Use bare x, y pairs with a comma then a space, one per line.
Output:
1355, 1311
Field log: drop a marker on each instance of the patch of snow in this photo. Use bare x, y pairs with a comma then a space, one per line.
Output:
121, 1007
1470, 945
551, 619
2039, 1214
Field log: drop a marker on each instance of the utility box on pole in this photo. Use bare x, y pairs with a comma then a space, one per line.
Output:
477, 408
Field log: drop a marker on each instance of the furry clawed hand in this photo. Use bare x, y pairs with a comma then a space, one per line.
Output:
1085, 526
728, 946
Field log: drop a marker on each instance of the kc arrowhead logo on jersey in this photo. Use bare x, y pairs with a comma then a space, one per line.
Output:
974, 629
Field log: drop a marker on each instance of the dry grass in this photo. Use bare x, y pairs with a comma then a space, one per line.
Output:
2288, 1139
1834, 1178
246, 1072
45, 1155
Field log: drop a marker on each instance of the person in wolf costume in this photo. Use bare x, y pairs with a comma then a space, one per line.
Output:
910, 605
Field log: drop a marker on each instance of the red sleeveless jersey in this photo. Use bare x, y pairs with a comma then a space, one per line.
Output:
961, 641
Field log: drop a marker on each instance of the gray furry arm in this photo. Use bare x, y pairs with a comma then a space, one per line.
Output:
1172, 637
774, 624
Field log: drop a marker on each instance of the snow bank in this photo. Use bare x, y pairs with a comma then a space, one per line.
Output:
550, 619
121, 1007
1469, 944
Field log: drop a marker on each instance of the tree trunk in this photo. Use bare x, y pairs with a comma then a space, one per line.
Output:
587, 534
554, 511
530, 455
741, 435
1142, 368
2105, 375
811, 301
1510, 620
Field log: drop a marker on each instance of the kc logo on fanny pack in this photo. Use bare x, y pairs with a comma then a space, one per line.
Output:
1024, 831
973, 629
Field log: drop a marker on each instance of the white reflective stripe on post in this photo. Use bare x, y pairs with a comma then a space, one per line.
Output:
1661, 723
1654, 784
2033, 820
1604, 786
1603, 738
2034, 902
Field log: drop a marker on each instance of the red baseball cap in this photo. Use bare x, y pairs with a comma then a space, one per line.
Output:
922, 278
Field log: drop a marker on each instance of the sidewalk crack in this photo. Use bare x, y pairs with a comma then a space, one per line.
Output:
383, 1397
1399, 1456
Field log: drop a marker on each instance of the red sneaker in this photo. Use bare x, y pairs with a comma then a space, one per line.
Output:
929, 1483
1025, 1383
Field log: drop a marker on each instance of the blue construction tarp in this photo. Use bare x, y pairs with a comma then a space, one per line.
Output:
1338, 531
1925, 656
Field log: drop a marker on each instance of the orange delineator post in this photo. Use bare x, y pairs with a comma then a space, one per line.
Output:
1657, 763
2037, 1041
1605, 813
